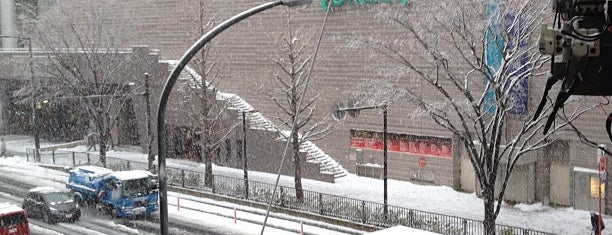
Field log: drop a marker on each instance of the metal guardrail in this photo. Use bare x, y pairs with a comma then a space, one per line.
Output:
350, 209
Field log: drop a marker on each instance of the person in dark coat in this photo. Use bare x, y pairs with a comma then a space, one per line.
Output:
2, 148
91, 140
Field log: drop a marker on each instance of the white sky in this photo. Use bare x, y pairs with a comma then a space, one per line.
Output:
436, 199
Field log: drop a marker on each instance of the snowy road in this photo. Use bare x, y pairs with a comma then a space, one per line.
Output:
92, 221
194, 216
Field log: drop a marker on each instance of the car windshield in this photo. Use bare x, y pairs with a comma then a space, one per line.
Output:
11, 220
136, 187
56, 197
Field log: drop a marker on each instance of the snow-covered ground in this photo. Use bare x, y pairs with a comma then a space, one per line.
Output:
437, 199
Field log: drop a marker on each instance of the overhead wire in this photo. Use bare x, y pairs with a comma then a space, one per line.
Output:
295, 118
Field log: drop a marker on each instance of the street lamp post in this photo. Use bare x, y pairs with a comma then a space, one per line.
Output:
33, 102
244, 156
147, 96
385, 169
34, 111
163, 101
244, 152
339, 113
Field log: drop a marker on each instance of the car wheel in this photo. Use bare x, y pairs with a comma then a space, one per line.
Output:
46, 217
76, 216
78, 199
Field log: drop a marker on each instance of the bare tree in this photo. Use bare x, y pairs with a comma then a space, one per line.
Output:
445, 62
206, 113
288, 92
85, 64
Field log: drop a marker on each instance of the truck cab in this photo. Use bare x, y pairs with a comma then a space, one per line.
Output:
128, 194
123, 194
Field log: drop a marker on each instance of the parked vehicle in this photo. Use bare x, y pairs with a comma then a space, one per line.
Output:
51, 205
13, 220
123, 194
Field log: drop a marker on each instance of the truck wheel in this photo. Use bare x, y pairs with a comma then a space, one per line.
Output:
74, 219
78, 199
112, 211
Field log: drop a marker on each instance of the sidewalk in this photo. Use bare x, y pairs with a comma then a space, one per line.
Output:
436, 199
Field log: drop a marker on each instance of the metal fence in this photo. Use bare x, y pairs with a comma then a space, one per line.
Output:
359, 211
71, 158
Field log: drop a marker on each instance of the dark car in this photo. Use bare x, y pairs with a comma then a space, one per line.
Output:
51, 205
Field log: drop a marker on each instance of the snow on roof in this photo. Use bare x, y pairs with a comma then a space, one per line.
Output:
45, 190
586, 170
7, 208
402, 230
130, 175
93, 170
188, 74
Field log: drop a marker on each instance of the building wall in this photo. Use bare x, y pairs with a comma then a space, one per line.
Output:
264, 153
244, 55
560, 188
584, 194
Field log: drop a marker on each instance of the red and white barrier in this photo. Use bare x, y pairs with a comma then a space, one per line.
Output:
234, 215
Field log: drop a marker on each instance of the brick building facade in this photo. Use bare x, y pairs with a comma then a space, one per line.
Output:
245, 56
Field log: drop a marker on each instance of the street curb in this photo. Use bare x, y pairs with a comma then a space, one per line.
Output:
64, 145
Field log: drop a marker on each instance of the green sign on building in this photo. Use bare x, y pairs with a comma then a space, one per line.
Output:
337, 3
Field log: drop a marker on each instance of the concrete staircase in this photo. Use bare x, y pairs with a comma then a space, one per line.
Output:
258, 121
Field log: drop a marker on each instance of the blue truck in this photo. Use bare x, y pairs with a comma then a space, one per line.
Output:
122, 194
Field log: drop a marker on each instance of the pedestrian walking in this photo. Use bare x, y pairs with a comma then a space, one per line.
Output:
2, 148
91, 140
110, 142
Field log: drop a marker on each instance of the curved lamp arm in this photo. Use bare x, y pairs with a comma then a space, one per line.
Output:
163, 199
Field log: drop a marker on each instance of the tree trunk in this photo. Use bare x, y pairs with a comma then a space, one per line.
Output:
102, 152
299, 192
489, 206
208, 173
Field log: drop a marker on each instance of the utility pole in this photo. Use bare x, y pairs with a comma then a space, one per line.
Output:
147, 96
34, 111
244, 156
384, 108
